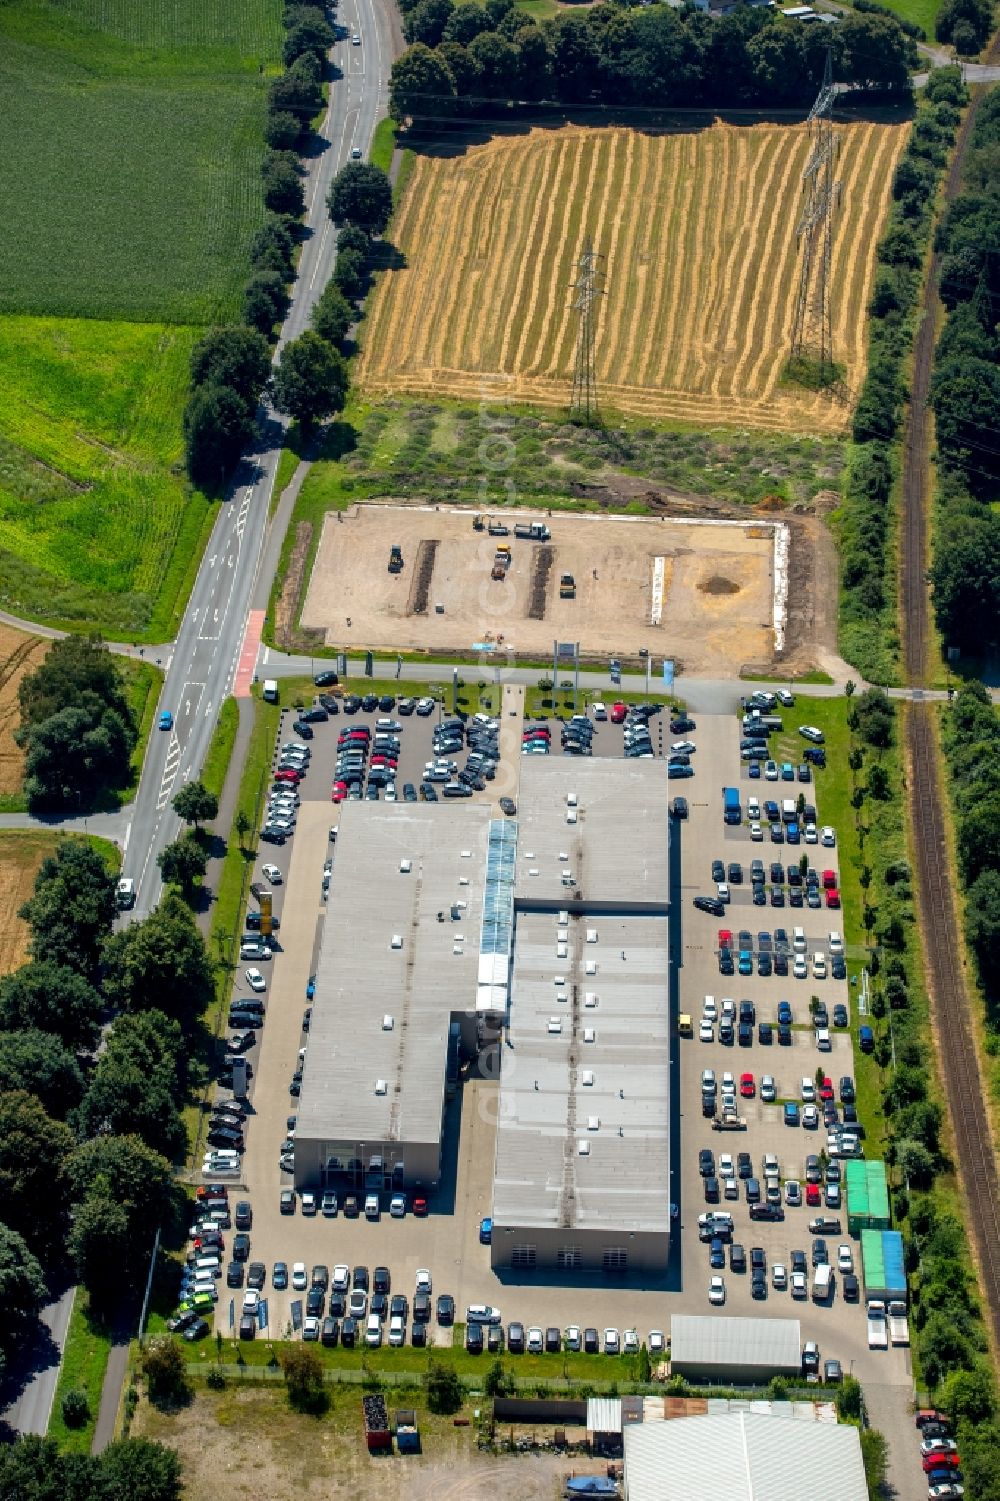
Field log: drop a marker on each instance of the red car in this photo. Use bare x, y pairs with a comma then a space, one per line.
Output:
924, 1415
940, 1461
826, 1090
339, 792
747, 1086
289, 776
618, 712
420, 1206
725, 938
829, 880
833, 897
813, 1195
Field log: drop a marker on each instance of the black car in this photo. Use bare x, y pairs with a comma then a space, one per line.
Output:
338, 1305
370, 703
591, 1342
711, 905
706, 1162
765, 1034
847, 1093
330, 1333
758, 1285
349, 1332
553, 1340
241, 1247
680, 807
359, 1279
445, 1309
182, 1321
248, 1327
737, 1258
381, 1280
315, 1302
351, 703
244, 1215
195, 1331
256, 1274
234, 1274
681, 725
418, 1336
766, 1212
302, 728
379, 1305
399, 1307
326, 679
508, 806
515, 1338
711, 1190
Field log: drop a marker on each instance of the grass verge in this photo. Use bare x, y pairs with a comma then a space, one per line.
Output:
85, 1357
143, 684
220, 750
383, 144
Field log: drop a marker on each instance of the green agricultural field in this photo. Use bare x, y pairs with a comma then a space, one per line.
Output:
96, 521
130, 179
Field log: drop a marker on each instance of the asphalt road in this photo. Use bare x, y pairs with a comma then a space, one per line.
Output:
36, 1370
204, 656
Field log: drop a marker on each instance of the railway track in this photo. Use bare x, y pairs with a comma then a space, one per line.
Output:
949, 996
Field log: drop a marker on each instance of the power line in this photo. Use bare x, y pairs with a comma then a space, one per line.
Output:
812, 328
588, 287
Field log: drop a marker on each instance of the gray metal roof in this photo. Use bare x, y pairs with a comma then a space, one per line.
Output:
730, 1342
743, 1457
616, 850
362, 979
582, 1135
604, 1414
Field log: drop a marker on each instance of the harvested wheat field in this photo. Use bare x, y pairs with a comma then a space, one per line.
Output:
19, 655
21, 854
697, 231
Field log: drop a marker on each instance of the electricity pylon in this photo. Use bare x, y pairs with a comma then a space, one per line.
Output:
812, 330
587, 286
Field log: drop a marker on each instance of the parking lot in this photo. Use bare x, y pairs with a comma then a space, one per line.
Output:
446, 1242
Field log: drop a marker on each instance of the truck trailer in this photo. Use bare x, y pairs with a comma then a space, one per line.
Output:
878, 1332
731, 810
899, 1329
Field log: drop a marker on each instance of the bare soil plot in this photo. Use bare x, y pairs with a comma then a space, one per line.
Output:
261, 1448
697, 231
700, 592
19, 655
21, 853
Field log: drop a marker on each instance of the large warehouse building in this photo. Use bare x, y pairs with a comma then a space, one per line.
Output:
743, 1456
581, 1182
449, 931
706, 1348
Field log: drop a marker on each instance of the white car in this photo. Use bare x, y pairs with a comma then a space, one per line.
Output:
726, 1167
612, 1344
771, 771
272, 873
800, 968
799, 1287
573, 1337
723, 891
373, 1331
828, 836
753, 808
256, 980
810, 1117
684, 747
300, 1278
730, 1188
341, 1278
423, 1280
535, 1342
835, 943
768, 1089
397, 1330
397, 1206
811, 836
709, 1009
717, 1290
706, 1032
708, 1078
307, 1202
251, 1301
599, 711
819, 966
793, 1192
630, 1342
808, 1090
810, 732
770, 1165
656, 1344
845, 1259
785, 697
756, 833
779, 1276
728, 1083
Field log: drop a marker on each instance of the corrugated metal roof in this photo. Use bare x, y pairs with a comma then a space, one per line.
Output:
362, 978
743, 1457
730, 1342
560, 1091
617, 849
604, 1415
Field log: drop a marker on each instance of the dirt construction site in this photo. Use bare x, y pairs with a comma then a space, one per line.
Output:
699, 592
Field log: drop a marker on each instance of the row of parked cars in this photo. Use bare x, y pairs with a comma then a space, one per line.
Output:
480, 736
939, 1456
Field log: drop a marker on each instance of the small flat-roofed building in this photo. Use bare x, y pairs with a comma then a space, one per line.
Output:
581, 1177
397, 972
741, 1351
744, 1457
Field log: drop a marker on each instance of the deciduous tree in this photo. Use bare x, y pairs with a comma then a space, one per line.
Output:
45, 997
311, 380
362, 194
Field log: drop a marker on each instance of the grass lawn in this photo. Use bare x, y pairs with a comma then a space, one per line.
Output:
220, 749
159, 108
383, 144
88, 1343
97, 525
143, 683
924, 12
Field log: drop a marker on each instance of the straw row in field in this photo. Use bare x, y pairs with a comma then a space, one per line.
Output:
697, 232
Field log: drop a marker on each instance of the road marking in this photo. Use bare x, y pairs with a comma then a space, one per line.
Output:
248, 654
128, 836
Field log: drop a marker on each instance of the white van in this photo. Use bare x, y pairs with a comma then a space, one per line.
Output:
208, 1266
799, 940
373, 1330
822, 1288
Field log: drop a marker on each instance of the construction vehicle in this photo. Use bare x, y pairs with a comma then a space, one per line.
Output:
501, 562
395, 559
567, 586
532, 531
478, 522
497, 528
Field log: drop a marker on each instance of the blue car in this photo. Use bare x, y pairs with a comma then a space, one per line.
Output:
746, 962
716, 1253
753, 771
785, 1013
787, 771
485, 1231
791, 1113
311, 988
166, 720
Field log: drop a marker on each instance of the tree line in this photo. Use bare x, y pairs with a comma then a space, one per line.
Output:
471, 59
946, 1317
231, 368
132, 1469
96, 1032
972, 747
965, 395
868, 632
